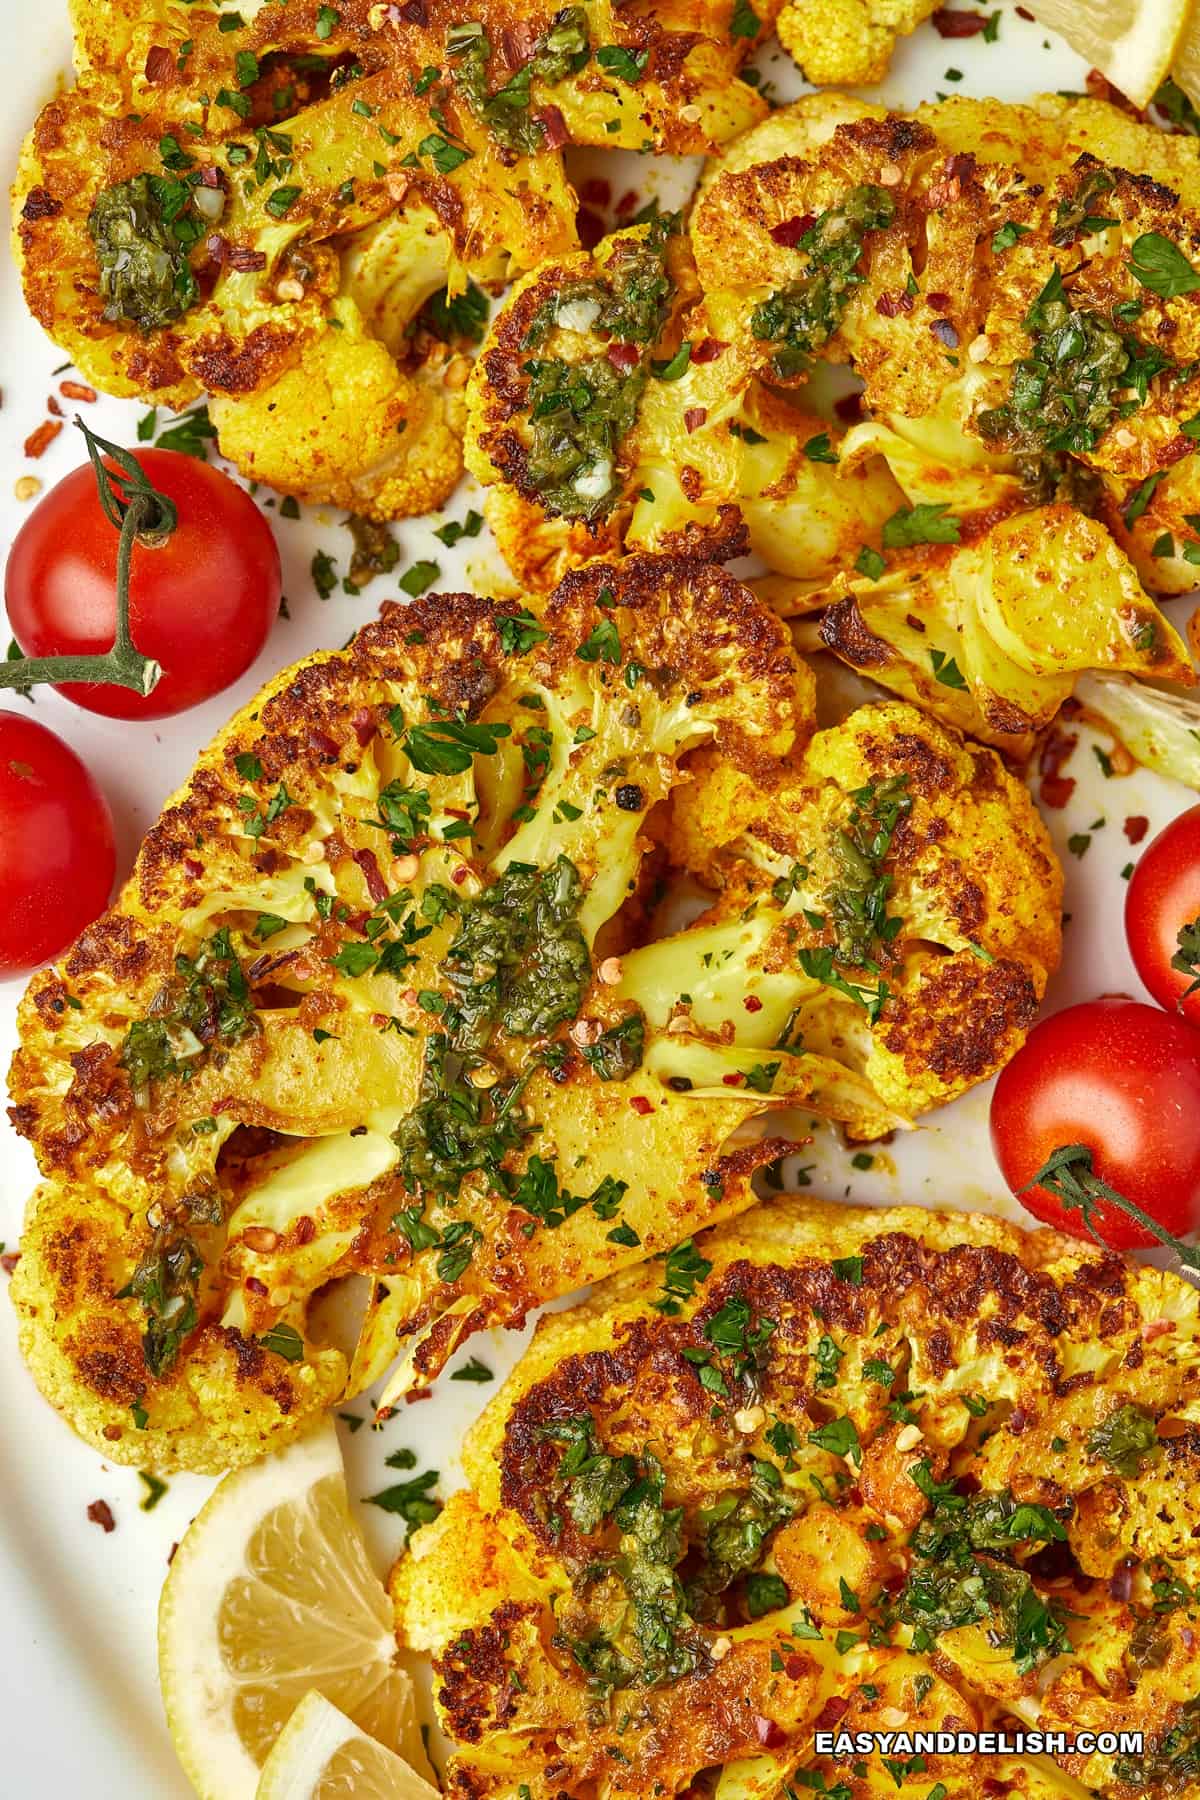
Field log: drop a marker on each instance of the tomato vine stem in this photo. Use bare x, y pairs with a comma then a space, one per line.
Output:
1068, 1174
142, 515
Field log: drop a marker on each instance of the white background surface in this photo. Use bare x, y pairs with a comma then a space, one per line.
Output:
81, 1714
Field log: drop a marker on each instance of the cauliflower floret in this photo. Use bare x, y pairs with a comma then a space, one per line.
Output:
892, 902
354, 1013
847, 41
350, 426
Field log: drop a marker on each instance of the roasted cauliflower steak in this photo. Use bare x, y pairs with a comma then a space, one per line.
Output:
996, 521
826, 1467
190, 216
383, 997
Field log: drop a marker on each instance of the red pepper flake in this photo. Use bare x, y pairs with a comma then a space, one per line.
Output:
459, 874
849, 408
53, 407
789, 231
1058, 749
752, 1003
940, 302
194, 867
171, 1553
694, 417
1018, 1419
77, 390
306, 1230
945, 333
377, 887
834, 1709
948, 22
732, 1080
246, 260
1136, 827
414, 13
159, 64
624, 357
554, 126
362, 724
210, 177
709, 349
626, 204
888, 305
768, 1732
914, 624
1023, 12
640, 1104
40, 440
596, 192
322, 744
9, 1261
101, 1513
425, 1393
590, 226
255, 1286
794, 1667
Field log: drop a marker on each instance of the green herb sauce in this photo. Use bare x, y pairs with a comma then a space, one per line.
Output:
805, 314
141, 229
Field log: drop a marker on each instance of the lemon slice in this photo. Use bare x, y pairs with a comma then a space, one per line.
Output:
1131, 42
322, 1755
1186, 68
270, 1595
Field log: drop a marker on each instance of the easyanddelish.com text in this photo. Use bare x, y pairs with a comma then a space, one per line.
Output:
979, 1743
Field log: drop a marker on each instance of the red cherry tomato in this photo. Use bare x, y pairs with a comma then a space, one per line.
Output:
1123, 1081
1162, 903
56, 845
201, 604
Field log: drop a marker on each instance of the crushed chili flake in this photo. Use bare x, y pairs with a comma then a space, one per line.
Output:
77, 390
708, 349
305, 1231
171, 1553
888, 305
1023, 12
624, 357
732, 1080
416, 1394
596, 192
834, 1709
789, 231
255, 1286
159, 64
626, 203
768, 1732
949, 22
849, 408
914, 624
53, 407
752, 1003
1136, 827
40, 440
377, 887
1058, 748
246, 260
694, 417
940, 302
101, 1513
9, 1261
554, 127
640, 1104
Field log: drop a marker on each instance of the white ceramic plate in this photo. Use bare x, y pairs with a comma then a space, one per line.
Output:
82, 1714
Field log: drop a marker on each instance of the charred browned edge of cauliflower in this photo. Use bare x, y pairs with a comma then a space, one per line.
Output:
834, 1468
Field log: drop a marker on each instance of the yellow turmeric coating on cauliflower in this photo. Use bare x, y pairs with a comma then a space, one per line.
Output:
190, 217
847, 42
827, 1468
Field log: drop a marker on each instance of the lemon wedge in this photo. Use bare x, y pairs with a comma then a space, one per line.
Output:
322, 1755
1186, 68
1132, 43
271, 1594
